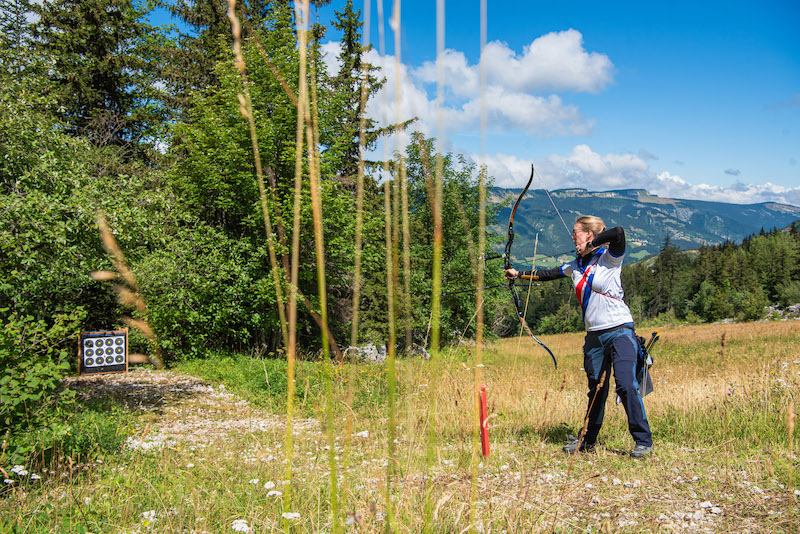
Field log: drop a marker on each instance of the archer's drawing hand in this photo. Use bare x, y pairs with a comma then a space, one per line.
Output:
511, 273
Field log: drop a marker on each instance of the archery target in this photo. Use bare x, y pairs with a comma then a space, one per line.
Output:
104, 352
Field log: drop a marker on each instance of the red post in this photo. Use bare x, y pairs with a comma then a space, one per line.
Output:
484, 422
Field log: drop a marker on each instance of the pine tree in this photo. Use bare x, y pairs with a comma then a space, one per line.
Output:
14, 25
100, 73
347, 84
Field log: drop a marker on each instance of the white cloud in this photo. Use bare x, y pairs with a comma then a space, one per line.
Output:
459, 77
554, 61
584, 168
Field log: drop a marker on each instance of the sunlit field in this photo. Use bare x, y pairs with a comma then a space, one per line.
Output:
200, 458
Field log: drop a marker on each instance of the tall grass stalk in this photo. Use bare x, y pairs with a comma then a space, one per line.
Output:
301, 15
432, 419
127, 289
391, 294
359, 229
312, 138
246, 109
390, 362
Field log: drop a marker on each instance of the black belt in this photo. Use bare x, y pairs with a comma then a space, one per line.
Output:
607, 330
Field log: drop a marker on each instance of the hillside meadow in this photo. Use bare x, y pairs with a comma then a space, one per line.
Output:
203, 447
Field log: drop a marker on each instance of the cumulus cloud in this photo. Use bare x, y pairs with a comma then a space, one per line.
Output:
586, 169
553, 62
556, 61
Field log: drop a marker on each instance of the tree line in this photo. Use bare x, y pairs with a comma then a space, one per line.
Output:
712, 283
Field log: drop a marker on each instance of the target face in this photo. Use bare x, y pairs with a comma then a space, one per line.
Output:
104, 352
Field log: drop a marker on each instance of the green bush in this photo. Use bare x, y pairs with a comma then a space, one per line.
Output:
34, 360
749, 305
38, 416
712, 303
205, 291
94, 430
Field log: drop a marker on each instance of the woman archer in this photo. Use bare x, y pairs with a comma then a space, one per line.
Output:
610, 343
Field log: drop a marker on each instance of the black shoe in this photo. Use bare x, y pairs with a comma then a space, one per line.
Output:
641, 451
572, 446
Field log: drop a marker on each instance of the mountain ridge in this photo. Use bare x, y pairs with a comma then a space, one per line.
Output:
648, 219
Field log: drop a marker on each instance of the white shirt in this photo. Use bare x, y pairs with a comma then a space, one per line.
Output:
599, 290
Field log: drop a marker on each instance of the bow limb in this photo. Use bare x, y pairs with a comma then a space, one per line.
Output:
510, 239
509, 265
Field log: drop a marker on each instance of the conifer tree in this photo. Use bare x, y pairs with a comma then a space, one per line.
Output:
100, 70
14, 23
353, 73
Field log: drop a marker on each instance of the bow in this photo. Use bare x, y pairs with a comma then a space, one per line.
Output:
508, 265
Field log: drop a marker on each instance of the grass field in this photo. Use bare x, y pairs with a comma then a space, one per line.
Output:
211, 455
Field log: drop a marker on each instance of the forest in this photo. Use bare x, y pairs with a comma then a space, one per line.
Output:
110, 122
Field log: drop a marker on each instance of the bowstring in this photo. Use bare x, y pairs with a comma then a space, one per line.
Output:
525, 312
569, 232
528, 296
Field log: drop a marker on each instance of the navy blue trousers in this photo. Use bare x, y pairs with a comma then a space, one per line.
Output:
615, 351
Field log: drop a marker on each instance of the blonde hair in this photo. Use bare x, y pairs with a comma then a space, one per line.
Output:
593, 224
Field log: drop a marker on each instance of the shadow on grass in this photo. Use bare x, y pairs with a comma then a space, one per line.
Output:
558, 433
134, 391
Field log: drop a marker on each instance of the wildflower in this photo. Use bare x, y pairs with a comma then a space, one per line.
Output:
35, 477
149, 517
254, 481
269, 485
8, 481
364, 434
274, 493
291, 516
20, 470
240, 525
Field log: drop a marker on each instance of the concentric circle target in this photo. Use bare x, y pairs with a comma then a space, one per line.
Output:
104, 352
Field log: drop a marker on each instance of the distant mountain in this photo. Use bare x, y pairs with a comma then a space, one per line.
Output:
647, 220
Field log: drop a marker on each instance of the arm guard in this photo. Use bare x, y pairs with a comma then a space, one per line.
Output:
615, 238
543, 275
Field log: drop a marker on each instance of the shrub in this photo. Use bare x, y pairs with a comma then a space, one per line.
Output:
34, 360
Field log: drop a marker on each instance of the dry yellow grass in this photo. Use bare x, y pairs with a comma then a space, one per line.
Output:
724, 459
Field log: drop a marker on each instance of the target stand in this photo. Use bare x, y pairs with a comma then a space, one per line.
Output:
103, 352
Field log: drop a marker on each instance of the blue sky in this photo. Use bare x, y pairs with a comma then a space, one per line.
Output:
686, 99
695, 100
